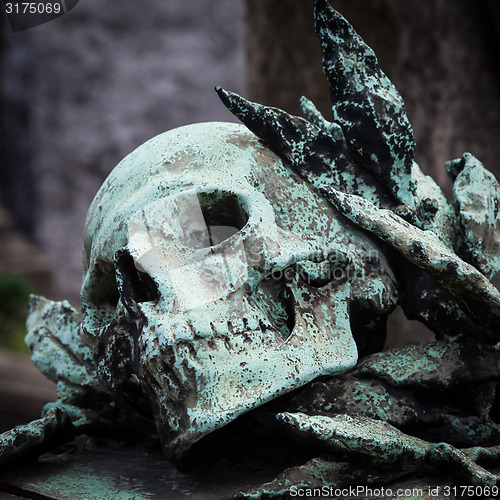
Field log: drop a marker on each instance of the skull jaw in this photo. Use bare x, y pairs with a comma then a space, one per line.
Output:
201, 386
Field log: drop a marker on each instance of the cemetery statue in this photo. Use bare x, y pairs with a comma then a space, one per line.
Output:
231, 267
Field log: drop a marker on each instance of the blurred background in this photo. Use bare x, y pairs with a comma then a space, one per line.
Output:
80, 92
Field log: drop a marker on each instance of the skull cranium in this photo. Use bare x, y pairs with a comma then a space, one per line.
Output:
208, 275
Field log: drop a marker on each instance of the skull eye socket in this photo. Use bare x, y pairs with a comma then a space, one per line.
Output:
135, 286
223, 213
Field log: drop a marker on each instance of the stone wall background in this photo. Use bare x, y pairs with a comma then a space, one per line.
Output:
98, 82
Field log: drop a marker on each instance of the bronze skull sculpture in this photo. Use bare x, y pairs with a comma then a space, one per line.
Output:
226, 268
203, 257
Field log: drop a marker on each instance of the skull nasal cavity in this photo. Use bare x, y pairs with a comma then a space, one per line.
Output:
223, 213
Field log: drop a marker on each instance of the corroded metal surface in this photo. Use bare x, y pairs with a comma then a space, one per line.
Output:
474, 293
84, 472
190, 313
80, 473
236, 288
476, 193
52, 429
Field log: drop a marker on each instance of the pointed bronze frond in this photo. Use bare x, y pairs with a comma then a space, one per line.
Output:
365, 103
318, 154
369, 145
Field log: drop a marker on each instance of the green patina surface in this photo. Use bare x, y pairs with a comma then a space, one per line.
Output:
228, 270
83, 482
